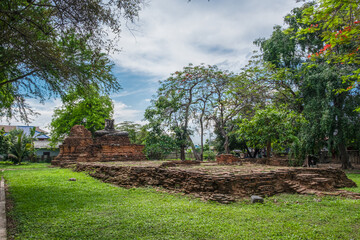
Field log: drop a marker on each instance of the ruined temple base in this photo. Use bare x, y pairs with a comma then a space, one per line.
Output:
63, 164
222, 183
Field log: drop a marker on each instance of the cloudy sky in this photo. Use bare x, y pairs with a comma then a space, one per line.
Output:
169, 35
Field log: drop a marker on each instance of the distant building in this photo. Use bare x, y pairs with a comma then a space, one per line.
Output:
42, 143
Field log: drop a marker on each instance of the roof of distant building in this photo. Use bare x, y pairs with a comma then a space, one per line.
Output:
39, 133
44, 144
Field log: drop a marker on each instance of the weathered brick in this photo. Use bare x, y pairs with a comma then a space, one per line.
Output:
108, 145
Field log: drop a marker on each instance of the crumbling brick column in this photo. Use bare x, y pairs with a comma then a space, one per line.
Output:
227, 159
74, 145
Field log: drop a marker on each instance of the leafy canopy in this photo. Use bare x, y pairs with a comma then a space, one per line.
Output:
338, 21
278, 126
81, 107
48, 47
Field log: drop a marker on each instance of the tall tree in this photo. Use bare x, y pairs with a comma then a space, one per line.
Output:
331, 116
271, 127
81, 107
157, 139
338, 22
183, 97
315, 79
48, 47
234, 97
133, 129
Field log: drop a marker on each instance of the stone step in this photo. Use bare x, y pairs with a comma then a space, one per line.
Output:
306, 176
322, 180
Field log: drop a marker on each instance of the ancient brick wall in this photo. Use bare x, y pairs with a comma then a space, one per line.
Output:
273, 161
112, 139
108, 145
112, 152
74, 145
228, 159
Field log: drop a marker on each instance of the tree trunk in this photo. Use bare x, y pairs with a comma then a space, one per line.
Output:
182, 153
202, 139
268, 149
249, 153
196, 155
226, 145
256, 152
344, 156
306, 162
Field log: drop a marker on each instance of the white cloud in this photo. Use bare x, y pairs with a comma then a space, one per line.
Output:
172, 34
45, 110
128, 93
123, 112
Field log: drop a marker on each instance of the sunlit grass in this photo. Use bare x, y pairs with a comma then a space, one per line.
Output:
10, 165
356, 179
49, 206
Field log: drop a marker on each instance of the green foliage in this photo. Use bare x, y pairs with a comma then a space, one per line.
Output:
306, 74
278, 126
4, 144
209, 155
133, 129
279, 49
234, 142
332, 121
189, 95
90, 209
282, 57
205, 95
338, 23
18, 146
19, 149
81, 107
51, 46
158, 143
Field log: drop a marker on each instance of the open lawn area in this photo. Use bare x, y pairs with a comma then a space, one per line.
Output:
46, 205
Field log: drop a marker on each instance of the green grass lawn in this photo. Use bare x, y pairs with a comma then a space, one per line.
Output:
24, 165
48, 206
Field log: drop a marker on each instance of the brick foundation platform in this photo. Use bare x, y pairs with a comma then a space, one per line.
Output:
229, 159
225, 186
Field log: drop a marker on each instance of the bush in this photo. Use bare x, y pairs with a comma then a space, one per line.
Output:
295, 162
209, 155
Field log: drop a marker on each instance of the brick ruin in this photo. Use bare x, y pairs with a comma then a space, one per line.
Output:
211, 181
106, 146
220, 186
229, 159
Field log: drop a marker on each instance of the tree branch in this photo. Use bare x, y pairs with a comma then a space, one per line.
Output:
17, 78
